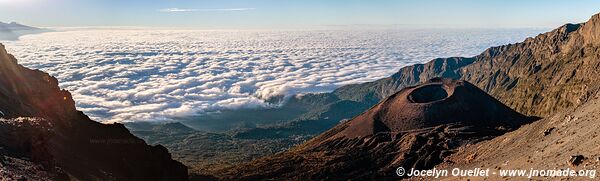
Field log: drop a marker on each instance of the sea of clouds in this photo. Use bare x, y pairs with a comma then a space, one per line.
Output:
153, 75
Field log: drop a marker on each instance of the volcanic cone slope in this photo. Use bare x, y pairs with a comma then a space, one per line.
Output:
440, 101
416, 127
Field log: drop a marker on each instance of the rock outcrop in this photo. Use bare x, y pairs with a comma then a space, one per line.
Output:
65, 141
414, 128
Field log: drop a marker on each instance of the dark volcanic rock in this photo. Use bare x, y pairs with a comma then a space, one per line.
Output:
414, 128
82, 148
576, 160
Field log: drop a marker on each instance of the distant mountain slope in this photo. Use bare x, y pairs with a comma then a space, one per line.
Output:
415, 128
65, 141
13, 30
540, 76
14, 26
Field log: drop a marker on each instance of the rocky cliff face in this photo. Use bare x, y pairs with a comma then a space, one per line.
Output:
543, 75
414, 128
65, 141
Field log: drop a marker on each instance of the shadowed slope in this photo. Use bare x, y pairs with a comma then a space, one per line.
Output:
73, 144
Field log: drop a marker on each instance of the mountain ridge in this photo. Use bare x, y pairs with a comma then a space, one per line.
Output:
65, 141
15, 26
13, 30
500, 80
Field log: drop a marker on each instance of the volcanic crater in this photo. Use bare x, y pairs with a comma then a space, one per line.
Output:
439, 101
428, 93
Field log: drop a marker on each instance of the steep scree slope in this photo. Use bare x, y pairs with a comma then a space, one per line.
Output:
546, 144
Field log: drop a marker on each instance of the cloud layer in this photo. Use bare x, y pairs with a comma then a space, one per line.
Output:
154, 75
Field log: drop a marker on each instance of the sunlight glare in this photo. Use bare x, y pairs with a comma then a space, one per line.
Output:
15, 2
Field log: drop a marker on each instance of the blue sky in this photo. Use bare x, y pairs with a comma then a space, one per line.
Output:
298, 13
